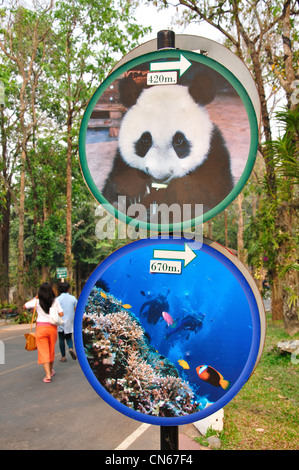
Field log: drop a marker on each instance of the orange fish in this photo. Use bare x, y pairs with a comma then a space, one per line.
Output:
210, 375
183, 364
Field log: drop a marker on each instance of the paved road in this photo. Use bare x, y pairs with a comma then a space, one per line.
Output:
65, 414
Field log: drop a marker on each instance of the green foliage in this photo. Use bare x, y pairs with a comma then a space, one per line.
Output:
265, 235
218, 227
23, 317
47, 240
264, 414
84, 246
77, 44
283, 152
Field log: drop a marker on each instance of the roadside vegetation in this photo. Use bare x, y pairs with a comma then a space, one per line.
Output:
264, 414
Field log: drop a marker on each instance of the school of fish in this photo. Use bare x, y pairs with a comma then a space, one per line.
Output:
205, 372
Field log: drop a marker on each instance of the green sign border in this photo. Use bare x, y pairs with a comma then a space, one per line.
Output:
254, 132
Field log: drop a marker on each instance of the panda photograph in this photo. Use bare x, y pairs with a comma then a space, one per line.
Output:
183, 143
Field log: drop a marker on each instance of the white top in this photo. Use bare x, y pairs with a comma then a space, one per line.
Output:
42, 316
68, 303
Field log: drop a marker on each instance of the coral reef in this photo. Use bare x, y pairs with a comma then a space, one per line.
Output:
127, 366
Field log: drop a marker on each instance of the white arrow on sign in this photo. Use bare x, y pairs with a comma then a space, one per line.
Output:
182, 65
187, 255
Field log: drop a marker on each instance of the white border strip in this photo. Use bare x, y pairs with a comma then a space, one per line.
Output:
133, 437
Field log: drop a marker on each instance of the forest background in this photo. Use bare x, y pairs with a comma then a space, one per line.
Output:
53, 56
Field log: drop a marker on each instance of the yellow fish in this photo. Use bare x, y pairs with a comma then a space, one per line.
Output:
184, 364
127, 306
104, 295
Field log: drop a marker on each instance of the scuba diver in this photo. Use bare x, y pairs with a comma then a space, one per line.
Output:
152, 309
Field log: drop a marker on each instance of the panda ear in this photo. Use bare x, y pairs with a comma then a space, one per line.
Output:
129, 91
203, 87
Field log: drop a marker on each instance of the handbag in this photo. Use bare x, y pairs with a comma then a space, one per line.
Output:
54, 317
30, 344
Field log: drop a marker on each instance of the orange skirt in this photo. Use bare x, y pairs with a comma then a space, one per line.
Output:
46, 337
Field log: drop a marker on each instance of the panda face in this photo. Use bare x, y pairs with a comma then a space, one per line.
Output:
166, 134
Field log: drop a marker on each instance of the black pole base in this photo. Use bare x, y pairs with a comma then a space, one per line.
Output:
169, 437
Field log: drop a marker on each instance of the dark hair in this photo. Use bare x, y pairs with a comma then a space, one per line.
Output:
63, 287
46, 296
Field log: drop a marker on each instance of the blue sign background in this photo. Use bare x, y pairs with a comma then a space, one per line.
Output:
225, 334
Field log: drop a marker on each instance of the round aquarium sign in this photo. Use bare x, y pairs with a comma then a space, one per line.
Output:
168, 331
171, 130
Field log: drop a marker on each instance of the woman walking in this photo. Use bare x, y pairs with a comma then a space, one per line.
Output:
46, 333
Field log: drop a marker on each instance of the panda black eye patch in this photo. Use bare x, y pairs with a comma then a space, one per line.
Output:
181, 144
143, 144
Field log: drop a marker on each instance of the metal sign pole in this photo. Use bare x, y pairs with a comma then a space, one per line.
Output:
165, 38
128, 84
169, 437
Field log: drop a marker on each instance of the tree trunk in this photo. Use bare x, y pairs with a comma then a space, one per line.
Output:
287, 256
21, 211
45, 273
210, 229
288, 215
240, 240
257, 42
78, 280
4, 249
290, 307
277, 304
21, 256
225, 228
68, 238
68, 258
276, 300
5, 220
290, 75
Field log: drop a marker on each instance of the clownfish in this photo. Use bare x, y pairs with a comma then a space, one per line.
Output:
212, 376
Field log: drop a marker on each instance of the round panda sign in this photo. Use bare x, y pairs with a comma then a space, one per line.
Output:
168, 331
172, 133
